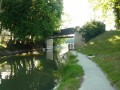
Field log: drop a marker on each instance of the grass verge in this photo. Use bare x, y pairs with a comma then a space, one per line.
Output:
71, 74
106, 49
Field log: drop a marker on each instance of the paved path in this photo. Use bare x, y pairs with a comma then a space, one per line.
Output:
94, 78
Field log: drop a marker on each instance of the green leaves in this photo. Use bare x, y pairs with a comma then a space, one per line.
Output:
92, 29
31, 18
108, 6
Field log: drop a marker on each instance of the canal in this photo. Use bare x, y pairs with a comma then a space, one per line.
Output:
31, 72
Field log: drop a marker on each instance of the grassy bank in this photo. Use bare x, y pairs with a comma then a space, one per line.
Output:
71, 74
106, 49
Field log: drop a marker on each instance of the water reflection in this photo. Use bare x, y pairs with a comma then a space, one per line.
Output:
49, 54
27, 73
32, 72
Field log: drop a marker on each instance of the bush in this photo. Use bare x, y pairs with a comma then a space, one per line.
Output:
92, 29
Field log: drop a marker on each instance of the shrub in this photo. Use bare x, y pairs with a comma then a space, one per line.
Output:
92, 29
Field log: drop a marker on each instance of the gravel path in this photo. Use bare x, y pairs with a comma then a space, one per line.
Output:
94, 78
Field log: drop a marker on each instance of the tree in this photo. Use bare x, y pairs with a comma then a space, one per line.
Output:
107, 6
0, 14
31, 19
117, 13
92, 29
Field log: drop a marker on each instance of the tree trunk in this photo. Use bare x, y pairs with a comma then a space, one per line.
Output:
0, 13
11, 36
1, 27
117, 14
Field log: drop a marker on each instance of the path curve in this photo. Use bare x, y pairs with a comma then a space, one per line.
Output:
94, 78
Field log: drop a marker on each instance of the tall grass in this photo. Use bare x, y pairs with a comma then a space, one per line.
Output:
71, 74
106, 49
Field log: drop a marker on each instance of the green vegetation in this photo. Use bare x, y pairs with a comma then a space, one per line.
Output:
106, 49
30, 20
109, 9
71, 73
92, 29
1, 48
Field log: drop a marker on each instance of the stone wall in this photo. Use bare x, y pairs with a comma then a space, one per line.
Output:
79, 40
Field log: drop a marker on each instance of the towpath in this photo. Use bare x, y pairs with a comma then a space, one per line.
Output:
94, 78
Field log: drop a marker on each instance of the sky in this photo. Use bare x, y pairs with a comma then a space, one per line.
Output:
76, 13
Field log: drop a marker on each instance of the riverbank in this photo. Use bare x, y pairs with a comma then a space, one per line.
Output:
94, 77
9, 48
71, 73
6, 52
106, 51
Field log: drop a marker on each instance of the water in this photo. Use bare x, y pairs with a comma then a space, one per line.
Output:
34, 72
31, 72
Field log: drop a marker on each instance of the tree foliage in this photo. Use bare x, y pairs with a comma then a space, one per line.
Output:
92, 29
31, 19
107, 6
117, 13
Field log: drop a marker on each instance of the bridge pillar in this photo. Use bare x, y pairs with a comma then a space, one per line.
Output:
49, 44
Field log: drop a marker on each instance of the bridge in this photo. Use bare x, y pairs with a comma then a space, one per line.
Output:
64, 33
